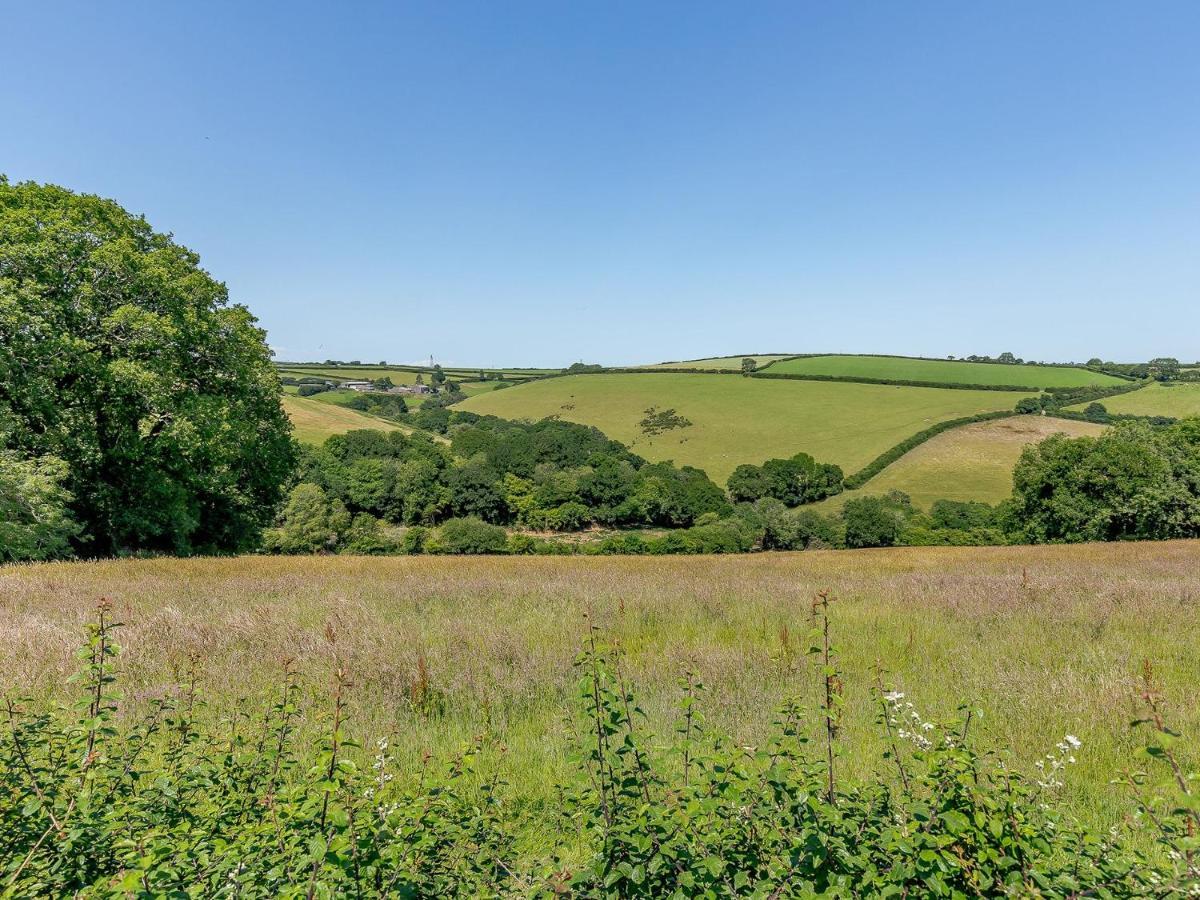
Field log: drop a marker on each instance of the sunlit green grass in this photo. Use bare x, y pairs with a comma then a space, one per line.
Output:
1176, 400
743, 420
948, 371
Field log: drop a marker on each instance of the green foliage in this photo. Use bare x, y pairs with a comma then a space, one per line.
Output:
121, 356
310, 523
309, 390
875, 521
35, 521
794, 481
468, 535
181, 802
659, 421
1132, 482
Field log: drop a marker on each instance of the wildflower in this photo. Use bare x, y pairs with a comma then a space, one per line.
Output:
1073, 741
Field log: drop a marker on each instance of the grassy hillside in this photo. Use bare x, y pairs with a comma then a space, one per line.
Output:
718, 362
947, 371
742, 420
1177, 400
1045, 641
314, 421
974, 462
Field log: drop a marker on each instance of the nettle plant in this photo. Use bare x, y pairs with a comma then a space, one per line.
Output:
180, 803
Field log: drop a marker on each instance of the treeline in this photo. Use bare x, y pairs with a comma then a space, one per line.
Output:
550, 475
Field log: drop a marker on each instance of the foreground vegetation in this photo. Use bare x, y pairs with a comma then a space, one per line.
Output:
314, 727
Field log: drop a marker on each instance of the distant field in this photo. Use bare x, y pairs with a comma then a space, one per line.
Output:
974, 462
1177, 400
314, 421
1046, 641
402, 374
742, 420
718, 362
948, 371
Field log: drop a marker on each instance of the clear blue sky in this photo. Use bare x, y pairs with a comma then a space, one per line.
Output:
537, 183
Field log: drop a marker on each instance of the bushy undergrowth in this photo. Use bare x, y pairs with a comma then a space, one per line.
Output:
177, 799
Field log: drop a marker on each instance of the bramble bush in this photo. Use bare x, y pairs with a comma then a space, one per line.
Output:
172, 800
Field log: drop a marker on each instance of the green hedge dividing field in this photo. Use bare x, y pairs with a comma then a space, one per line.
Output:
885, 459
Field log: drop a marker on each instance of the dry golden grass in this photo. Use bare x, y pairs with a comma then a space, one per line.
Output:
1044, 640
313, 421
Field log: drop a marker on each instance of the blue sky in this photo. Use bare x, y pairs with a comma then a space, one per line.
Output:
538, 183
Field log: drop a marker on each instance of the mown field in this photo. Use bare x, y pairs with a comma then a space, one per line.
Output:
719, 362
313, 421
946, 371
974, 462
1176, 400
1042, 641
742, 420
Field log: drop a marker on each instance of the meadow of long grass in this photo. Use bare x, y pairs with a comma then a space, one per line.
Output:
1041, 641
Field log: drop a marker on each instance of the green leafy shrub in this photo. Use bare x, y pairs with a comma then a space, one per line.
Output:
468, 535
177, 800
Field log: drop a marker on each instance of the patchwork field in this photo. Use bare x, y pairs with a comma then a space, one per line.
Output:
947, 371
1176, 400
719, 362
974, 462
314, 421
402, 374
1044, 641
742, 420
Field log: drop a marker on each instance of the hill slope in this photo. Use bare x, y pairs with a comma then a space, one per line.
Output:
903, 368
314, 421
742, 420
974, 462
1176, 400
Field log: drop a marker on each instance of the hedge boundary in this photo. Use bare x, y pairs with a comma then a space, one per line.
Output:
889, 456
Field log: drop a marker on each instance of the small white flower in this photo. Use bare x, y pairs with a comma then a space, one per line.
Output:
1074, 742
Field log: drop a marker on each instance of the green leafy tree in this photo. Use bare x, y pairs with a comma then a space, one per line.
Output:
749, 366
310, 523
875, 521
1164, 368
120, 355
1131, 482
35, 522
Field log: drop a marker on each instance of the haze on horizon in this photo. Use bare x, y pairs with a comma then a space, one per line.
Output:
537, 183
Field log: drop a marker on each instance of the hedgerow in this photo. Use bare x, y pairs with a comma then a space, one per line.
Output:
180, 800
885, 459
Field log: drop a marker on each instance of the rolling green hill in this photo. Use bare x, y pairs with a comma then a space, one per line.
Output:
1176, 400
974, 462
742, 420
903, 368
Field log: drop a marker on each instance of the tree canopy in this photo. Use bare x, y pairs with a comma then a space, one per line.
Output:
124, 358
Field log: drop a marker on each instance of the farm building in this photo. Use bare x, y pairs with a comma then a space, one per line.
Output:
357, 385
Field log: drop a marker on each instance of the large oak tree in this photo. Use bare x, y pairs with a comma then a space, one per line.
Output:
120, 355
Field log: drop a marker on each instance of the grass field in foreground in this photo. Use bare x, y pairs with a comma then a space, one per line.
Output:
948, 371
313, 421
974, 462
1044, 641
1177, 400
719, 362
742, 420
